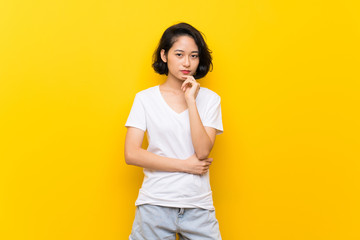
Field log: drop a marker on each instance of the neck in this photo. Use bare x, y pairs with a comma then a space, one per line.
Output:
173, 83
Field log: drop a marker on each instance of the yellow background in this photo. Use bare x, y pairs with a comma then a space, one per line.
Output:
286, 167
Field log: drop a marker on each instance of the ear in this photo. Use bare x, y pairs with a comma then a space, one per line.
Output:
162, 55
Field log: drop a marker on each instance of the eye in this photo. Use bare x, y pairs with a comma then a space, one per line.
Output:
194, 56
178, 54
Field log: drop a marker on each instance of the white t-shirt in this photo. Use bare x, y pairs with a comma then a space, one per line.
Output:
169, 135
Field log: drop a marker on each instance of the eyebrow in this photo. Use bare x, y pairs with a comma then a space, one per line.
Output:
179, 50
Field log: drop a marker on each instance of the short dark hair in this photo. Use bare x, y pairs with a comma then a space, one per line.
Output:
170, 36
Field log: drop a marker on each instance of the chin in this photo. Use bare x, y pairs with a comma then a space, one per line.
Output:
182, 78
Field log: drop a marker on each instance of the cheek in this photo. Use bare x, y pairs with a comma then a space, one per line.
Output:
196, 64
172, 66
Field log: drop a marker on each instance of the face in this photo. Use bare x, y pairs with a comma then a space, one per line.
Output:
182, 58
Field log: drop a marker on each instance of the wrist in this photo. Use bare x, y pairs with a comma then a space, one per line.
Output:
182, 166
190, 101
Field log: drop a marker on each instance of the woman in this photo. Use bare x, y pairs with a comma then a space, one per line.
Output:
182, 120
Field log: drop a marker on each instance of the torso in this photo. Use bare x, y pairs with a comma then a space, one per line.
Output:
169, 135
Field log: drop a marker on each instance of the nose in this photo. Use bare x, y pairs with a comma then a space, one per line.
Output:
186, 62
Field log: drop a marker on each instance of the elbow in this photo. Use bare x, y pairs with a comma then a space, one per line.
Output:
204, 151
203, 155
129, 159
132, 155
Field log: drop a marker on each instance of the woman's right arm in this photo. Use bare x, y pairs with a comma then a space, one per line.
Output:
135, 155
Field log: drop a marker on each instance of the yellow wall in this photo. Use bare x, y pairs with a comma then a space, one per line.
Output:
286, 167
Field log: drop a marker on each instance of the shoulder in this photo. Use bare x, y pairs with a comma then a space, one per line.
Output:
147, 93
208, 94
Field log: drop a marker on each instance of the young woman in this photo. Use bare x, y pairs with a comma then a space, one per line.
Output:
182, 120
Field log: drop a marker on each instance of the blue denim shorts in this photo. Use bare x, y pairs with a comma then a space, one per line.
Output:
163, 223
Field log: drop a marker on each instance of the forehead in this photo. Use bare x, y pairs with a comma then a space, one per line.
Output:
185, 43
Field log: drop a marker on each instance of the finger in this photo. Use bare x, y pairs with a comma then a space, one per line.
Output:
183, 85
210, 159
207, 165
187, 86
191, 78
188, 78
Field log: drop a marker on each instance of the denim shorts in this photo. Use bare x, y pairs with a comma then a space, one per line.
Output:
163, 223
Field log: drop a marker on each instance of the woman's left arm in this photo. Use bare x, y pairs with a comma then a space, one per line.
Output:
203, 138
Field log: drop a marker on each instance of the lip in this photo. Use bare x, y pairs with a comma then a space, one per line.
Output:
185, 71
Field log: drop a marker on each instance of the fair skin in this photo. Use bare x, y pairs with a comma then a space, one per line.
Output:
179, 91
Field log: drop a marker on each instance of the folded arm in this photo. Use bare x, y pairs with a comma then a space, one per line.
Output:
135, 155
203, 138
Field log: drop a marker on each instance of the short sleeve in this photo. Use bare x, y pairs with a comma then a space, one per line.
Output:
213, 117
137, 117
